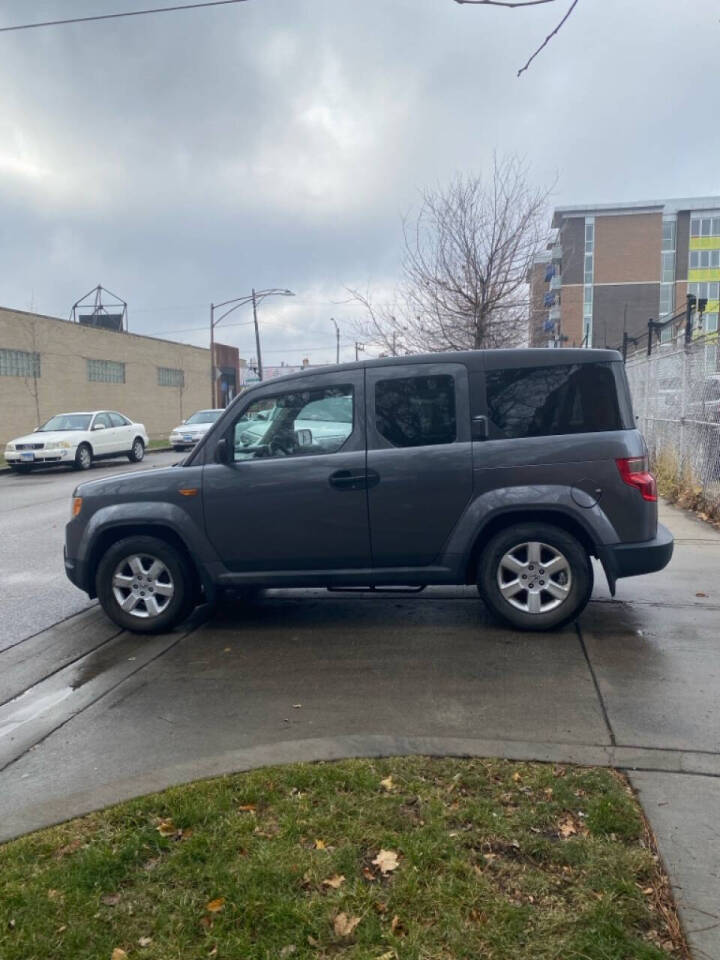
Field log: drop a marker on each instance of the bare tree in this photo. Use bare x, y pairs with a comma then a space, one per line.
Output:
465, 268
515, 5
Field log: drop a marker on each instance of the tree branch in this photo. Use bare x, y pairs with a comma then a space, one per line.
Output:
505, 3
548, 38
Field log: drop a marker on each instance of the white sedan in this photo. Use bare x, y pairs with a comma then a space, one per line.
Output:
193, 429
77, 439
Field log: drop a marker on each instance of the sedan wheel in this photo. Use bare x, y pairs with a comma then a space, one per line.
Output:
137, 452
83, 457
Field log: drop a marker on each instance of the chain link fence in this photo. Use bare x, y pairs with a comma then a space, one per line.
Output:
676, 396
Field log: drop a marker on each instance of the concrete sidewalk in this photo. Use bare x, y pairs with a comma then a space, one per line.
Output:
636, 685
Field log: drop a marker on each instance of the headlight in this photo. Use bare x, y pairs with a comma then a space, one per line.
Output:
64, 444
9, 446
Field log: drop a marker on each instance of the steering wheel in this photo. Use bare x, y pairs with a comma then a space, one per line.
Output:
281, 446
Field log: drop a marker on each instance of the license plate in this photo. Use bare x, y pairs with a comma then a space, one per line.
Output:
27, 456
187, 438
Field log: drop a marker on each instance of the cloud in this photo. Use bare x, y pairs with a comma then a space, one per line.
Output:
186, 157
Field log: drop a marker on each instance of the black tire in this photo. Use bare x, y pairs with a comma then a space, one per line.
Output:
179, 576
83, 457
179, 449
512, 542
137, 451
20, 467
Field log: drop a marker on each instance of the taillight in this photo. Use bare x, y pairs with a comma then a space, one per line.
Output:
635, 472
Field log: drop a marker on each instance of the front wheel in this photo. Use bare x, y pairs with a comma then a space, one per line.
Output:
535, 576
137, 452
83, 457
145, 585
20, 467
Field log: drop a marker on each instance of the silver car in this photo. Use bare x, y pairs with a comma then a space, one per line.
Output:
193, 429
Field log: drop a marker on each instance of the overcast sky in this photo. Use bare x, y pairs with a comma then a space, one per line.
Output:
182, 158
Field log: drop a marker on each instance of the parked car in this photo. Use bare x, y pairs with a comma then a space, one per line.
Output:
508, 469
76, 439
193, 429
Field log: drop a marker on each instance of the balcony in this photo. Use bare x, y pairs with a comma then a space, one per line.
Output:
554, 314
556, 252
556, 282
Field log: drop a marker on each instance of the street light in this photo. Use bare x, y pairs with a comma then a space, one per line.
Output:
257, 296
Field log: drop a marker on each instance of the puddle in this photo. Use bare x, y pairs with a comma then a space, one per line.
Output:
29, 706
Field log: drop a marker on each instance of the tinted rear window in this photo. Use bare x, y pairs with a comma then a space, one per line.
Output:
547, 401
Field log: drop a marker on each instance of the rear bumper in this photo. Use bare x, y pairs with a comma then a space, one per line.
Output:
632, 559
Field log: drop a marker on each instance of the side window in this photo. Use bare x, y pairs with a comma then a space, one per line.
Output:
297, 424
546, 401
103, 418
117, 420
416, 411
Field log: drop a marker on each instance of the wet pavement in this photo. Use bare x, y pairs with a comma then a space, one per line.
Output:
90, 715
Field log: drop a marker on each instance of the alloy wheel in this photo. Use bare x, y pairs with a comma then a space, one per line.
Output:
142, 586
534, 577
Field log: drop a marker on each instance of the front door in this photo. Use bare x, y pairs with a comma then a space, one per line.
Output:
293, 497
420, 449
102, 435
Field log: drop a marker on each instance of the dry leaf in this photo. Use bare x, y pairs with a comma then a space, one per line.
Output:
387, 784
248, 808
110, 899
335, 882
319, 844
386, 860
380, 907
312, 941
390, 955
343, 925
165, 827
566, 828
398, 927
118, 954
145, 941
61, 929
56, 895
68, 848
215, 905
207, 921
516, 777
297, 706
288, 951
213, 952
368, 874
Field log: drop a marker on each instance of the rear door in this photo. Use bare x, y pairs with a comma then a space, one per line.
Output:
122, 430
420, 456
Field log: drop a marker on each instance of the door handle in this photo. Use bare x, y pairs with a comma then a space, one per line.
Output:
349, 480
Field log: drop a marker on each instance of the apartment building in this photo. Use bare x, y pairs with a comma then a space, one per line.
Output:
49, 365
610, 268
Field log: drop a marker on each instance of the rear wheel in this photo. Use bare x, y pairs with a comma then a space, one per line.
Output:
137, 452
83, 457
535, 576
145, 585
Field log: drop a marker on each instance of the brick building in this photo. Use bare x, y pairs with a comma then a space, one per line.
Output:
612, 267
49, 365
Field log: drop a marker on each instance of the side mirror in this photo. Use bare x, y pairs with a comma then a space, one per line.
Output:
98, 426
222, 451
182, 421
303, 438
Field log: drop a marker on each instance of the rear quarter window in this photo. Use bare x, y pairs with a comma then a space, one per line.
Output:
553, 400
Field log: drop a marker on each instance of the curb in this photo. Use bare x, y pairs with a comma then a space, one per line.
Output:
147, 452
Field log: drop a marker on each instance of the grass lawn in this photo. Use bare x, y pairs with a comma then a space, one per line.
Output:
404, 858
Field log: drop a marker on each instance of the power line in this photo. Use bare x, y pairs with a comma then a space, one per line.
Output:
116, 16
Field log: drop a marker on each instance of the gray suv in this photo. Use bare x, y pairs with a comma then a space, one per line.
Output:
508, 469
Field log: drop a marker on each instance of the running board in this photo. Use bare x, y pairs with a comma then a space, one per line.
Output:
374, 589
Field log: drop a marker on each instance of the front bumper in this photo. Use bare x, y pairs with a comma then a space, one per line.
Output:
40, 456
76, 571
633, 559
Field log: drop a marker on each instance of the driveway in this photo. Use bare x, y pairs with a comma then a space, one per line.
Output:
307, 675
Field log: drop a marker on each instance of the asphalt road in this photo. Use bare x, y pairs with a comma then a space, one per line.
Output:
34, 509
90, 715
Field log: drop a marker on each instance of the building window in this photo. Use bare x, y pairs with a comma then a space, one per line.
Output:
106, 371
588, 272
705, 227
668, 266
668, 236
168, 377
19, 363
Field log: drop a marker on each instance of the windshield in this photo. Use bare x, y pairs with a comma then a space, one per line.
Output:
66, 421
204, 416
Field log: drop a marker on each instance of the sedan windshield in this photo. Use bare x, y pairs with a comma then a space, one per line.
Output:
204, 416
66, 421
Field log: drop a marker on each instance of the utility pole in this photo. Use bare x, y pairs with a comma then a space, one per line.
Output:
212, 356
691, 301
257, 335
337, 340
394, 344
